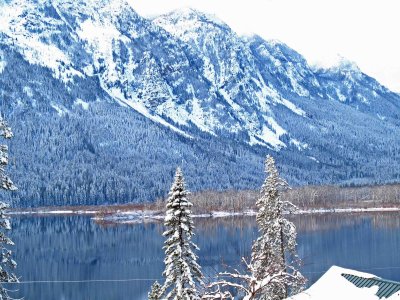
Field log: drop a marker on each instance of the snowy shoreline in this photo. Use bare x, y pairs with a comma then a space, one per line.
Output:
149, 216
140, 215
51, 212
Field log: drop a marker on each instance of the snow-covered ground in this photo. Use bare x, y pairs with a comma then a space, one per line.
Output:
148, 216
138, 216
133, 217
53, 212
333, 286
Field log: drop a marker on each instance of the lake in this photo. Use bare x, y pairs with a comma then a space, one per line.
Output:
75, 248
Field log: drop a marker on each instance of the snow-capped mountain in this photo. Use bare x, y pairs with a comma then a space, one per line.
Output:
284, 69
347, 83
91, 85
229, 66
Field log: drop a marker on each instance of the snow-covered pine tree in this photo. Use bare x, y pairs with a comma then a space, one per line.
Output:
155, 292
277, 238
6, 262
182, 272
269, 275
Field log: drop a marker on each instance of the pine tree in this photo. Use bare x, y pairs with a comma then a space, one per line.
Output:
268, 276
181, 269
277, 238
155, 292
6, 262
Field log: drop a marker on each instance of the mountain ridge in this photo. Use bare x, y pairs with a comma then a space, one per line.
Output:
121, 87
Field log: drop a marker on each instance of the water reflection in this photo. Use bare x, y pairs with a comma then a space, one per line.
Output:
367, 242
76, 248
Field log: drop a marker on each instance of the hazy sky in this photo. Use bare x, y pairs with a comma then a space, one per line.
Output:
364, 31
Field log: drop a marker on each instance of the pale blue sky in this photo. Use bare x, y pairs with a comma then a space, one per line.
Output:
364, 31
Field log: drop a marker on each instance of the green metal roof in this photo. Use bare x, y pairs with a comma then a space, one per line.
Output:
386, 287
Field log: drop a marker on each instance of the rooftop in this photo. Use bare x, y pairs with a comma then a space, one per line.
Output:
346, 284
386, 287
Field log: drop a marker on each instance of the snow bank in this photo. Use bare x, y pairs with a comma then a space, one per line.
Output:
135, 215
53, 212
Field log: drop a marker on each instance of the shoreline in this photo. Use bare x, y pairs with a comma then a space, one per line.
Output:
140, 215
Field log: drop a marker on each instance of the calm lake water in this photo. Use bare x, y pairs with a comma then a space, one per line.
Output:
76, 248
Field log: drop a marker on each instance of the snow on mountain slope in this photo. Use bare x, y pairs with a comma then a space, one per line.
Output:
198, 83
213, 82
228, 64
98, 38
217, 45
283, 68
347, 83
32, 30
185, 68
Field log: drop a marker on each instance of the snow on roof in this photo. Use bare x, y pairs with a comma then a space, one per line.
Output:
332, 286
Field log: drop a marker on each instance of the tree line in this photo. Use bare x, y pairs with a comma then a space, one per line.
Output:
304, 197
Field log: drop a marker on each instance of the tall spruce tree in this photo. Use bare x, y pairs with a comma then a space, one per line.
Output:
6, 262
277, 238
181, 269
270, 274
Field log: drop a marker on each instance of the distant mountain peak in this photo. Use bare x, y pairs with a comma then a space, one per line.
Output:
188, 13
185, 22
257, 38
339, 63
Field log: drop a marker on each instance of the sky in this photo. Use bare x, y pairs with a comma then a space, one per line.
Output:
366, 32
